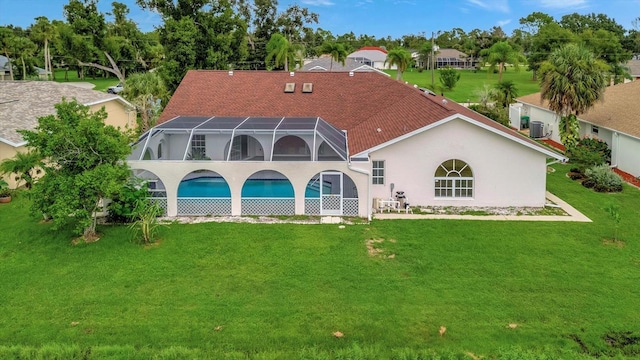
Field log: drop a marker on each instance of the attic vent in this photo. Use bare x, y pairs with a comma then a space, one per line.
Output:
230, 73
350, 73
292, 73
307, 87
289, 87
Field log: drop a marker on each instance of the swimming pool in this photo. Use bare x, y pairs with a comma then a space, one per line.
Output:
217, 187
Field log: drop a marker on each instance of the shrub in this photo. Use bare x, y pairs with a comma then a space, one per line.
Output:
604, 179
121, 209
146, 222
589, 152
497, 114
576, 175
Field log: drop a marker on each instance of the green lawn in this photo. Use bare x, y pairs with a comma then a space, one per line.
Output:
471, 82
279, 291
101, 83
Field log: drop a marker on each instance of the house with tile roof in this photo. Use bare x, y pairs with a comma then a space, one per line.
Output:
329, 143
448, 57
326, 63
23, 102
373, 56
615, 120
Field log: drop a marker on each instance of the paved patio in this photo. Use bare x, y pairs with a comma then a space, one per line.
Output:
572, 215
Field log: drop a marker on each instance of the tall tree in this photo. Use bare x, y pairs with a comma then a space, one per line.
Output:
606, 46
219, 30
24, 48
549, 37
399, 57
148, 93
336, 51
282, 52
7, 40
572, 80
85, 162
500, 54
44, 32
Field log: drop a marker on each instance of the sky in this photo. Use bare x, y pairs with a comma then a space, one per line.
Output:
380, 18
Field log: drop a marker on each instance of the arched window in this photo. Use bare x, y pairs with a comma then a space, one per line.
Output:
454, 179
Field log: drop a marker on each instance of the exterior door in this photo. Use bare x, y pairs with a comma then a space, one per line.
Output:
331, 193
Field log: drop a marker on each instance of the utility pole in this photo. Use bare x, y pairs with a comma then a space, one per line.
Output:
432, 61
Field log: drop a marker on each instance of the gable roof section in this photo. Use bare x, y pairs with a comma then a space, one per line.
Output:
370, 52
451, 53
619, 111
324, 64
23, 102
359, 104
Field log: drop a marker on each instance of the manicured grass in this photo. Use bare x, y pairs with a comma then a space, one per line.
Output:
279, 291
101, 83
471, 82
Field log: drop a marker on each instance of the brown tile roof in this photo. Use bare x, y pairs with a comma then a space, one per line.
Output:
619, 110
359, 104
23, 102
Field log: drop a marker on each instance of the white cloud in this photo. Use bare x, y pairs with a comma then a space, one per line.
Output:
318, 2
492, 5
502, 23
556, 4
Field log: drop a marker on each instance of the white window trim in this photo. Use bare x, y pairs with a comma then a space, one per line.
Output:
373, 170
454, 179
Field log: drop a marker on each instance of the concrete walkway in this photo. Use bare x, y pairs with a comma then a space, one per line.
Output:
573, 215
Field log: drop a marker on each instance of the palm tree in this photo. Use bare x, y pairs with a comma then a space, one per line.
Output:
26, 166
399, 57
337, 52
572, 80
505, 92
7, 39
147, 92
24, 48
501, 53
283, 52
43, 31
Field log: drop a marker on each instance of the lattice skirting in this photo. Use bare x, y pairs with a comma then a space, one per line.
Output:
268, 206
204, 206
350, 207
312, 206
162, 202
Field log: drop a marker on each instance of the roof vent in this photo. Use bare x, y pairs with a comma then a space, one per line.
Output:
291, 73
307, 87
351, 73
289, 87
444, 101
230, 73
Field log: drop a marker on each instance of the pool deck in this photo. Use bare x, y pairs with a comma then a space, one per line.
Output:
572, 215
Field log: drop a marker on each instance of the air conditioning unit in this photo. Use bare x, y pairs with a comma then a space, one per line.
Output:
536, 129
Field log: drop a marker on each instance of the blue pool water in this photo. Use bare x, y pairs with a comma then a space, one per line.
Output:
216, 187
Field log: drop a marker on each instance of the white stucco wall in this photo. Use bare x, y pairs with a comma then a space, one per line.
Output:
626, 153
505, 173
550, 120
235, 173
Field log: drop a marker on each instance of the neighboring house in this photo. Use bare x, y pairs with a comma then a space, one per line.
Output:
448, 57
634, 68
329, 143
324, 63
23, 102
6, 75
373, 56
615, 120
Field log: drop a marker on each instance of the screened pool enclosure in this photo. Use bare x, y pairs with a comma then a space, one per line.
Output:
249, 166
